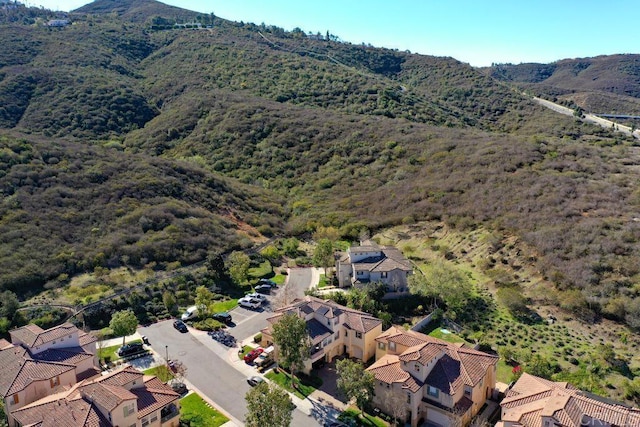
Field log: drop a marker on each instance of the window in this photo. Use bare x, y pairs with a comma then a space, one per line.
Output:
467, 391
129, 409
432, 391
145, 421
383, 274
416, 367
392, 346
346, 334
54, 382
328, 322
154, 417
381, 346
16, 399
408, 397
359, 335
337, 335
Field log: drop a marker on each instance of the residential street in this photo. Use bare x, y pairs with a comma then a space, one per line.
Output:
215, 370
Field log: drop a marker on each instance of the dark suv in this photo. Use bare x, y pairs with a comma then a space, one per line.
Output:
223, 317
179, 325
129, 349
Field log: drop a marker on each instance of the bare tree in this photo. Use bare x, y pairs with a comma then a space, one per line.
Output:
179, 370
397, 405
284, 297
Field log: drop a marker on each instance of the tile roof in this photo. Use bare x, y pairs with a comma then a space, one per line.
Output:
354, 319
4, 344
122, 377
35, 370
387, 369
69, 355
86, 338
63, 411
532, 398
32, 335
105, 395
455, 366
153, 396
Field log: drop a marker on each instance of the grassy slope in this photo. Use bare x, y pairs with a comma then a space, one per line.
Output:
351, 136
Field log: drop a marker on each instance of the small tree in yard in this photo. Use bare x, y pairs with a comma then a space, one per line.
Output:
268, 405
323, 254
204, 298
354, 382
238, 265
291, 337
123, 323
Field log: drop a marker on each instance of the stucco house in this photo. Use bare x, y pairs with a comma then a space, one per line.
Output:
536, 402
441, 383
122, 398
334, 330
38, 363
371, 263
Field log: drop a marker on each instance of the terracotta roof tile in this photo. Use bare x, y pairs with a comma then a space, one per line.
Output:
122, 377
61, 413
86, 338
153, 396
532, 397
104, 395
388, 370
69, 356
34, 370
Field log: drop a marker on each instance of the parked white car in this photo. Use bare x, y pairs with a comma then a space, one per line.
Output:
249, 303
256, 296
190, 313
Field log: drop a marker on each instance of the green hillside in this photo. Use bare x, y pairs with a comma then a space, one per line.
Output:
136, 141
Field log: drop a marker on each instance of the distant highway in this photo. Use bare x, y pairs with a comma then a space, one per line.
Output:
589, 118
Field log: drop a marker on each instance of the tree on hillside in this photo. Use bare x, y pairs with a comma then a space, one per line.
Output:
290, 247
268, 405
215, 266
291, 337
445, 283
354, 382
9, 304
204, 298
238, 265
169, 300
271, 254
123, 323
323, 254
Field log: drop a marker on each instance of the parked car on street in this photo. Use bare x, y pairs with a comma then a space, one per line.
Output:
253, 354
249, 303
223, 317
190, 313
179, 325
255, 380
263, 289
130, 349
267, 282
179, 388
257, 296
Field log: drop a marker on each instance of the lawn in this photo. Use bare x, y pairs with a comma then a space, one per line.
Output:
304, 385
323, 281
245, 349
220, 306
163, 373
361, 418
279, 279
449, 337
262, 270
504, 372
195, 412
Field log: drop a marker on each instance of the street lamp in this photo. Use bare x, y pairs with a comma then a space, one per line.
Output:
166, 348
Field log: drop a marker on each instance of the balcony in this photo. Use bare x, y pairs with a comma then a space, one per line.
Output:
316, 354
169, 412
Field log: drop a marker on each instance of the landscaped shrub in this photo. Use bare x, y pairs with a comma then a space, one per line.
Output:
257, 338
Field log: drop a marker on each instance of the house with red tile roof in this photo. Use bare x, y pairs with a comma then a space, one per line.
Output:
536, 402
123, 398
335, 330
441, 383
371, 263
39, 362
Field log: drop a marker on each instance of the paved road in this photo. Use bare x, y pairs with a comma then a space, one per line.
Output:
215, 371
589, 118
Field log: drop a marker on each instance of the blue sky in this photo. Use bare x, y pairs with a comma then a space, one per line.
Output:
475, 31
